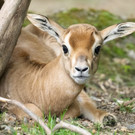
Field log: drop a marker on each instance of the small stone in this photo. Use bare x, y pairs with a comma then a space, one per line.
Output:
102, 76
85, 123
8, 118
57, 120
17, 128
123, 61
131, 54
5, 127
123, 129
96, 99
131, 127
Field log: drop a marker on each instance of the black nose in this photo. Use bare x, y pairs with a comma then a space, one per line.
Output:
81, 69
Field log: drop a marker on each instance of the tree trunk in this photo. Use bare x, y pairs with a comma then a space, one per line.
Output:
12, 31
7, 12
1, 3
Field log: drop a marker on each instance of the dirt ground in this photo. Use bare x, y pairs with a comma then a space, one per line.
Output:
123, 8
109, 96
106, 94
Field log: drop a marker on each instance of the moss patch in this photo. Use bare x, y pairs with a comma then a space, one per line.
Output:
98, 18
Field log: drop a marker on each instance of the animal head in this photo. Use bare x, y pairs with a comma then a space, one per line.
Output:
81, 44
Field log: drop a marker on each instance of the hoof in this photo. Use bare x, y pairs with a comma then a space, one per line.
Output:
109, 120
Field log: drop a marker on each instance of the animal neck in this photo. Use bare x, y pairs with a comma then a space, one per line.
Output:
56, 74
58, 85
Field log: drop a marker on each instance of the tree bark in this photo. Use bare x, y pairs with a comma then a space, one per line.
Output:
6, 15
10, 37
1, 3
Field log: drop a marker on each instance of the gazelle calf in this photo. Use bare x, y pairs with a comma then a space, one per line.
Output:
50, 66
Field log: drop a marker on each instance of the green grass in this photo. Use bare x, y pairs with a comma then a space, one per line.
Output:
98, 18
127, 108
98, 128
26, 22
2, 115
36, 129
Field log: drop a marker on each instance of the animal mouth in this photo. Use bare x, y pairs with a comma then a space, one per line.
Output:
81, 77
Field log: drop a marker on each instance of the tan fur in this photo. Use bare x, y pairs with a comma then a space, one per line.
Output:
31, 80
40, 75
81, 36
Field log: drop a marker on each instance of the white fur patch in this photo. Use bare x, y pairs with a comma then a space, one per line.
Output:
96, 43
66, 41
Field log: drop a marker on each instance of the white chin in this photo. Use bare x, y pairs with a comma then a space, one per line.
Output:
80, 80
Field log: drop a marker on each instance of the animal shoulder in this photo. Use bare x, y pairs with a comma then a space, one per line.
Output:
35, 47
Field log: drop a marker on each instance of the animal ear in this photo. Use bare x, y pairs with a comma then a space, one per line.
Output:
116, 31
45, 24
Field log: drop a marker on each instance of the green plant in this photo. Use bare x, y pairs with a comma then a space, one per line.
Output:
126, 68
51, 121
130, 46
63, 114
98, 128
124, 108
98, 18
26, 22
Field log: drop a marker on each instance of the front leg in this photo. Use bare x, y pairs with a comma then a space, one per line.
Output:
89, 110
83, 105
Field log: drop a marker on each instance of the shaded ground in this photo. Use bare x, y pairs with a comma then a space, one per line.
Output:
113, 84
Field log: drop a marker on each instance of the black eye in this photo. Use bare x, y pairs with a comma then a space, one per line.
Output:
97, 49
65, 49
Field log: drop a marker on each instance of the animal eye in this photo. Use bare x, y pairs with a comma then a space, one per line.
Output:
97, 49
65, 49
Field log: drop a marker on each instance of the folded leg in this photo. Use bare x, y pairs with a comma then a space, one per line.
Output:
21, 114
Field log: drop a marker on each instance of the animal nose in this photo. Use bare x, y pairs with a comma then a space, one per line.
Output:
82, 69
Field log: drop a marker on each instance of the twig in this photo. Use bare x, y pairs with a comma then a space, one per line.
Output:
37, 119
125, 103
71, 127
102, 86
32, 115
